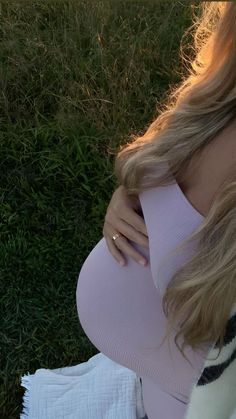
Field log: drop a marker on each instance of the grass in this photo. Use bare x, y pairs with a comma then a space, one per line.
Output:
77, 78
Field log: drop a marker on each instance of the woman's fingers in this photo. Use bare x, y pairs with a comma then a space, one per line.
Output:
122, 217
136, 221
121, 244
114, 251
130, 232
125, 207
130, 216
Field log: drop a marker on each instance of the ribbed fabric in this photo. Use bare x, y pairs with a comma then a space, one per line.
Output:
120, 308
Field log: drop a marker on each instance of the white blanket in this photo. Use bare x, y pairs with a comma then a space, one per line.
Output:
97, 389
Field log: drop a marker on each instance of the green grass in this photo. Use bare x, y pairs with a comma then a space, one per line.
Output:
77, 78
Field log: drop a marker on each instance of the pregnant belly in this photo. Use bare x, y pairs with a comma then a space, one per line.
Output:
120, 311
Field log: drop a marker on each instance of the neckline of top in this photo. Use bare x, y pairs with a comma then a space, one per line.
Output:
190, 205
185, 199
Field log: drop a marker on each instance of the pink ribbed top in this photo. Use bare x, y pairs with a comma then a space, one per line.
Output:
120, 308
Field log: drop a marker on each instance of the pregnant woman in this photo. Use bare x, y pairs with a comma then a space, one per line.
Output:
175, 208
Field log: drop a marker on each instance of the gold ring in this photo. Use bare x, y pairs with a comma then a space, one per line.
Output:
114, 237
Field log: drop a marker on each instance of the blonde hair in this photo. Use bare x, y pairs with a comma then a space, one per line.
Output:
203, 291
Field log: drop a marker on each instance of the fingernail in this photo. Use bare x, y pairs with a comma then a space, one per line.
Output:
142, 262
122, 263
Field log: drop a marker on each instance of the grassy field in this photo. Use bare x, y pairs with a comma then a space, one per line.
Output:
77, 78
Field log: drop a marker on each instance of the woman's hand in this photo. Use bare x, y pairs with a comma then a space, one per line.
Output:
121, 217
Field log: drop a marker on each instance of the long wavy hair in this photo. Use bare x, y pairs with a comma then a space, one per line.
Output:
203, 291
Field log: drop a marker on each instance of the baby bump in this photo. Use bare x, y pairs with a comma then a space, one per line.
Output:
116, 305
121, 312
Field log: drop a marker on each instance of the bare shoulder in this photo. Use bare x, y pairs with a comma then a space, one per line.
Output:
206, 173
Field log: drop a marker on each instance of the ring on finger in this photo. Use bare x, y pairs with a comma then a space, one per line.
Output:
115, 236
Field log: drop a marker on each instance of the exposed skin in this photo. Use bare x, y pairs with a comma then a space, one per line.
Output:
124, 213
122, 216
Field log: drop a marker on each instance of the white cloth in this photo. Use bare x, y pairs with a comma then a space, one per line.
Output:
97, 389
